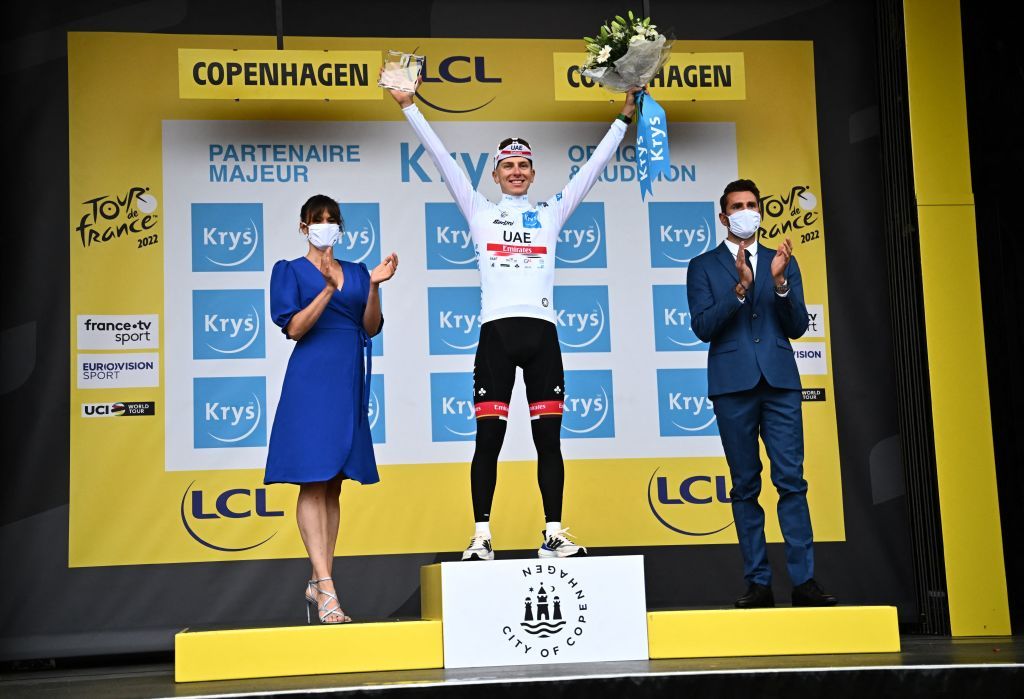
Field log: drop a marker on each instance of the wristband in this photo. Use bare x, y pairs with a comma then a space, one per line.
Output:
624, 119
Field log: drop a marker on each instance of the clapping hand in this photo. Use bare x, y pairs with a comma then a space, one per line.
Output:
743, 271
326, 265
385, 270
779, 262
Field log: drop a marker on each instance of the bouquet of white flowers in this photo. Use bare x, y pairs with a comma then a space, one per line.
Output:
626, 53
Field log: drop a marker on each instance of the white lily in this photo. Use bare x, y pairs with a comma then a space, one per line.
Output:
605, 54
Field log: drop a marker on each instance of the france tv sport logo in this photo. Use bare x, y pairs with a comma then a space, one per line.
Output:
454, 319
684, 409
227, 237
581, 242
680, 230
673, 324
452, 414
228, 324
229, 412
360, 236
449, 244
375, 409
589, 404
582, 318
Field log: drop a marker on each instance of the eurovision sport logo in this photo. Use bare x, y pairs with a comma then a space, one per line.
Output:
360, 237
680, 231
552, 616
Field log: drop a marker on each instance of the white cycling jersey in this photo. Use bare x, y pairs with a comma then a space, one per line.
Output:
514, 240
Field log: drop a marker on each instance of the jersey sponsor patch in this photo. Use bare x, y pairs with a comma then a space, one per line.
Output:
491, 409
530, 219
502, 249
546, 407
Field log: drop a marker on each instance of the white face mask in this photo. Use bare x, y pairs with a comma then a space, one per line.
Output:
324, 235
744, 224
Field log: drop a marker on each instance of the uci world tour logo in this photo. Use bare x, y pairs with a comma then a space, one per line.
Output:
227, 237
454, 317
589, 410
207, 515
684, 409
553, 612
581, 242
360, 238
452, 414
680, 231
582, 318
449, 244
228, 324
673, 324
228, 412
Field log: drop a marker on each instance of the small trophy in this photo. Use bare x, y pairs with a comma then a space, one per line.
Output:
401, 71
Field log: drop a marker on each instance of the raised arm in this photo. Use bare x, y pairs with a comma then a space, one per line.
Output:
582, 182
458, 184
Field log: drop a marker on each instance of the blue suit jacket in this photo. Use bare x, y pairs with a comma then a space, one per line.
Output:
748, 340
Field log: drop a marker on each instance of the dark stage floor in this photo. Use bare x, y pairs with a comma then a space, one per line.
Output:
926, 667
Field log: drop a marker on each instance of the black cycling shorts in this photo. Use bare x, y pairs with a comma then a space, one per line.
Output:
507, 343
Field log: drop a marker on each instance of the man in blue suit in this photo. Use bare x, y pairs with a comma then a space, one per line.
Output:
747, 301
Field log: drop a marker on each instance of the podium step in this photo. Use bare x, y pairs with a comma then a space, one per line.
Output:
536, 611
717, 633
307, 650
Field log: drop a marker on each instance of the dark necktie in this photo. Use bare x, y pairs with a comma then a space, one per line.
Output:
751, 266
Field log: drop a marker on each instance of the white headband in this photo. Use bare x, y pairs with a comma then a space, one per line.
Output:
513, 150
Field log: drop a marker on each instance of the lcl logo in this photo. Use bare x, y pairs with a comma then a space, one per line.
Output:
695, 505
231, 504
458, 70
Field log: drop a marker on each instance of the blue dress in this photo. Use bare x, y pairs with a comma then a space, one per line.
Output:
321, 427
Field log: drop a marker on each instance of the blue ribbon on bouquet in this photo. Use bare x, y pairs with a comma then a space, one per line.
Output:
651, 142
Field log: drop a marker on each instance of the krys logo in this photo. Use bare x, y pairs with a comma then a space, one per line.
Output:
112, 216
449, 244
582, 318
673, 325
229, 412
208, 515
680, 231
581, 242
227, 237
452, 415
454, 318
792, 213
695, 504
589, 409
684, 409
360, 238
228, 324
375, 409
552, 616
457, 70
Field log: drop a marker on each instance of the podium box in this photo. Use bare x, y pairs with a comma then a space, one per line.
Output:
536, 611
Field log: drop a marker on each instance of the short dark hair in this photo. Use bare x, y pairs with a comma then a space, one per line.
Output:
508, 141
739, 186
314, 208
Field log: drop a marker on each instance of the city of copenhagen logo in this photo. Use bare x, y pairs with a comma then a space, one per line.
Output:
680, 231
581, 242
452, 413
119, 409
673, 324
582, 318
229, 412
449, 243
375, 409
684, 409
553, 612
227, 237
208, 515
360, 238
228, 324
454, 319
696, 504
107, 217
589, 409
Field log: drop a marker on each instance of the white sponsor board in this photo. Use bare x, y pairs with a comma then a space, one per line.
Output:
537, 611
123, 370
815, 320
810, 358
118, 332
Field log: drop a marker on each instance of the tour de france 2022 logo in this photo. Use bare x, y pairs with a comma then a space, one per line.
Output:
130, 214
793, 213
551, 618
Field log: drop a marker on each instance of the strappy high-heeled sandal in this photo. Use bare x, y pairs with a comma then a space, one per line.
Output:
311, 605
324, 611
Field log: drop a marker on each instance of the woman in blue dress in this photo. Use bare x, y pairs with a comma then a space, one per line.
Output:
321, 432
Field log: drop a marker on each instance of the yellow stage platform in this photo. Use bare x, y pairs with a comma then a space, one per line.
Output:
716, 633
307, 650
